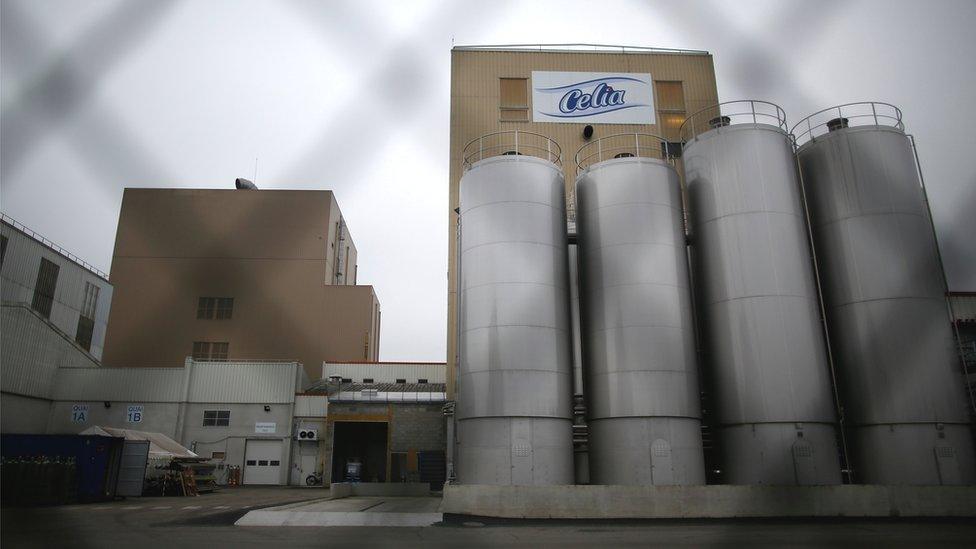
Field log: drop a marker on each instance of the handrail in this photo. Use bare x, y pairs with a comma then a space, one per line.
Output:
714, 116
510, 142
620, 145
860, 113
57, 248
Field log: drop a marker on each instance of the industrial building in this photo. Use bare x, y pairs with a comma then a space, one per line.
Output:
637, 269
244, 274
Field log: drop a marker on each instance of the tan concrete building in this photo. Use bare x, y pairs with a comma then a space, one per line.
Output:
242, 274
492, 90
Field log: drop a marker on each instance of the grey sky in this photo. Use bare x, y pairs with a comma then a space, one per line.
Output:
98, 95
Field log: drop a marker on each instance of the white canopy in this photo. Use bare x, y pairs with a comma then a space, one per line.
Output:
160, 445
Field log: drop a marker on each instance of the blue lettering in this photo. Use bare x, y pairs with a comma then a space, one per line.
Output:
602, 96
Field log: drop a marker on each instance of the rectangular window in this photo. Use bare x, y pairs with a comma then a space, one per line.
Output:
225, 308
210, 350
367, 380
514, 99
346, 380
218, 455
401, 381
47, 282
86, 327
216, 418
90, 303
670, 108
421, 380
215, 308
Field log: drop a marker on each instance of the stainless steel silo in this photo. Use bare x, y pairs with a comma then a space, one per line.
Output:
884, 291
765, 356
515, 377
644, 413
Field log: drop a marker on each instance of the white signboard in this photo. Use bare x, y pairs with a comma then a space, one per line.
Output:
133, 414
262, 427
79, 413
592, 97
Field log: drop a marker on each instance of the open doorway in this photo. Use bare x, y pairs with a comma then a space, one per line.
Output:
362, 441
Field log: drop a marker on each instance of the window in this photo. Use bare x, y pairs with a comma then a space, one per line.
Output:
401, 380
216, 418
90, 302
421, 380
346, 380
47, 281
215, 308
210, 350
514, 99
670, 108
83, 336
3, 248
218, 455
368, 380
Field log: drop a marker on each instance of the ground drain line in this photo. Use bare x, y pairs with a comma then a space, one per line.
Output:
371, 506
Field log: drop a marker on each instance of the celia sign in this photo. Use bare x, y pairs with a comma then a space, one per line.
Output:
592, 97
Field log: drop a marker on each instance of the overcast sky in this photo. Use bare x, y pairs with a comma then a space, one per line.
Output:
98, 95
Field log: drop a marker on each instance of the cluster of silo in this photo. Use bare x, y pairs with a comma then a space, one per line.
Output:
819, 310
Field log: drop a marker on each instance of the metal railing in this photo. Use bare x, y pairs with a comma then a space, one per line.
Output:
510, 142
57, 248
866, 113
743, 111
623, 145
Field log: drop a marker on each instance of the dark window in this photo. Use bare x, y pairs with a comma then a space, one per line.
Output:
225, 308
275, 463
216, 418
47, 281
210, 350
421, 380
623, 155
347, 380
367, 380
3, 248
672, 148
215, 308
262, 463
399, 380
86, 328
252, 462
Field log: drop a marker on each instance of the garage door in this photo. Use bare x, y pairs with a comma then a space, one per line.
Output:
262, 462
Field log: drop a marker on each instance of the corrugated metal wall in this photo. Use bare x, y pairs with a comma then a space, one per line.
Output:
311, 405
387, 372
244, 382
32, 352
19, 273
119, 384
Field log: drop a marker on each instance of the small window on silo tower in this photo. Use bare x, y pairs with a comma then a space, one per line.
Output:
671, 112
514, 99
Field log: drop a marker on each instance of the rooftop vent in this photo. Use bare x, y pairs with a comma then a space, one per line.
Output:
836, 124
246, 184
719, 121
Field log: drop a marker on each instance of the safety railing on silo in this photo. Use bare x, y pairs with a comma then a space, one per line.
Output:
623, 145
867, 113
743, 111
510, 143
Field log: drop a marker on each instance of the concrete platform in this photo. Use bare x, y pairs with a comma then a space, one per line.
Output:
656, 502
351, 511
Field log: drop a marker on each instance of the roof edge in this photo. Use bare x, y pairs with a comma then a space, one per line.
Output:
579, 48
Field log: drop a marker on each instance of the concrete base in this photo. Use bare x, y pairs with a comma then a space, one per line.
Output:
350, 511
725, 501
389, 489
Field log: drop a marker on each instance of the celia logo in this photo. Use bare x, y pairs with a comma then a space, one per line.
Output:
603, 95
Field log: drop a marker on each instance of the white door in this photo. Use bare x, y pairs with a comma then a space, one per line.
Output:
262, 462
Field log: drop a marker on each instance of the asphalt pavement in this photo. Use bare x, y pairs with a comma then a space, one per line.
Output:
208, 521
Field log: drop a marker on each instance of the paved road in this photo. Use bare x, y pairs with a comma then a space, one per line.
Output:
207, 521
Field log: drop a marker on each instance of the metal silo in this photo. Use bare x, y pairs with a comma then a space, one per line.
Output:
765, 356
644, 414
515, 377
884, 292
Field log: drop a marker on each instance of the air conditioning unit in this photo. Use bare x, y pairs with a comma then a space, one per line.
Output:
307, 434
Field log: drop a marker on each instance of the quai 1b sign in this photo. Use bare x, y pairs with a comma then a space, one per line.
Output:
592, 97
